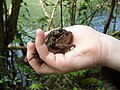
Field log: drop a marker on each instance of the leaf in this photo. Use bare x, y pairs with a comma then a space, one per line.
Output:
1, 81
42, 19
2, 57
87, 1
90, 81
36, 86
14, 83
17, 40
75, 88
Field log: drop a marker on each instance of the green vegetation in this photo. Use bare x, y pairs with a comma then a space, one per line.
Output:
20, 28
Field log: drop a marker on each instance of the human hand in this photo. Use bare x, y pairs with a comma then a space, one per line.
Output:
89, 52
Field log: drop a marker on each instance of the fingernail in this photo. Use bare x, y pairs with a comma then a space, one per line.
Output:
28, 44
38, 30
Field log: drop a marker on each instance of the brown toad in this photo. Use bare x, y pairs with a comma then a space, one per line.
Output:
59, 41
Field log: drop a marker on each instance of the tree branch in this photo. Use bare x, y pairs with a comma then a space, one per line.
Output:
110, 16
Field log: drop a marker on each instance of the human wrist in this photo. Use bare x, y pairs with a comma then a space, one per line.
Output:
112, 52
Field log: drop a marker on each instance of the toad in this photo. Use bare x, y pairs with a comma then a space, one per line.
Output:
59, 41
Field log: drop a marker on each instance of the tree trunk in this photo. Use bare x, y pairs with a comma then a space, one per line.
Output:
8, 27
12, 20
2, 41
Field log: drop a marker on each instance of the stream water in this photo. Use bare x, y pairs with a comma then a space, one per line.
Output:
100, 19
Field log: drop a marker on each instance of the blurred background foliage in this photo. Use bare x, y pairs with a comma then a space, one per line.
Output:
18, 22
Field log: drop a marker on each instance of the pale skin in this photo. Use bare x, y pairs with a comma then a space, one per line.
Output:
92, 49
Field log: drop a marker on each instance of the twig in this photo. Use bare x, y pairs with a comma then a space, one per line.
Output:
72, 11
115, 16
69, 81
10, 47
44, 9
10, 10
53, 14
61, 14
92, 15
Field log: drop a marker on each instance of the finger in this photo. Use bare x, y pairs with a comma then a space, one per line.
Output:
44, 69
40, 68
40, 43
42, 49
30, 50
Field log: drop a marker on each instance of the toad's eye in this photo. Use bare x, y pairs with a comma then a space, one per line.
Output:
55, 33
60, 29
69, 33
